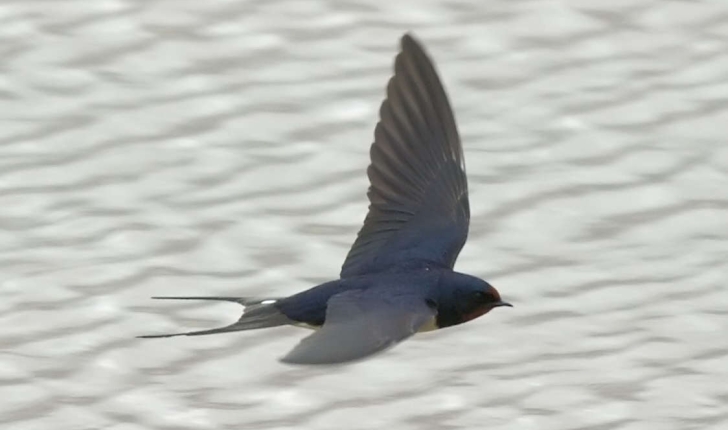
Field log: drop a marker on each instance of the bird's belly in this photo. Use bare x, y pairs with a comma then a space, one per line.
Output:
308, 326
429, 325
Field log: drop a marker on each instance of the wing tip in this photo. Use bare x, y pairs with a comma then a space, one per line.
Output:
410, 43
291, 358
409, 39
304, 360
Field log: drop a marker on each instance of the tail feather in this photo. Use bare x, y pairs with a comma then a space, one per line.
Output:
258, 313
245, 301
231, 327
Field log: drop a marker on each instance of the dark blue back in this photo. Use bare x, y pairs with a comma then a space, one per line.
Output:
309, 306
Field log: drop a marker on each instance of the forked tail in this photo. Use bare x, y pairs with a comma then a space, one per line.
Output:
256, 314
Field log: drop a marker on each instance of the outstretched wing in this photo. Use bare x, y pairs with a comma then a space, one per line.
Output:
359, 324
419, 211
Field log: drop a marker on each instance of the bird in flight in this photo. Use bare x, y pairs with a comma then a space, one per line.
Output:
398, 277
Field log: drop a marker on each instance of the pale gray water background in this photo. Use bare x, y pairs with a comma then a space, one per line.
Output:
219, 148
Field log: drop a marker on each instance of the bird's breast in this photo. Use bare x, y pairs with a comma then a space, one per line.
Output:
430, 325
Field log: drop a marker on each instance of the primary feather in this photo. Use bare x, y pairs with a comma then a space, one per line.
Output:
419, 211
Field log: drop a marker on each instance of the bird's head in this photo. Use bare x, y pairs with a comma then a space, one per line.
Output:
467, 298
480, 301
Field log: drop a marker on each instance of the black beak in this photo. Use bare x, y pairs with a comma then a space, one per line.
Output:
499, 304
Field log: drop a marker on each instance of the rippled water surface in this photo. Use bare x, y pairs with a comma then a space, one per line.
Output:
219, 148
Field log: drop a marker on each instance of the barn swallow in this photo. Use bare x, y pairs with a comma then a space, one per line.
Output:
398, 277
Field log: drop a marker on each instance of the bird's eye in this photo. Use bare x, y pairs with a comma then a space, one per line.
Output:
484, 297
